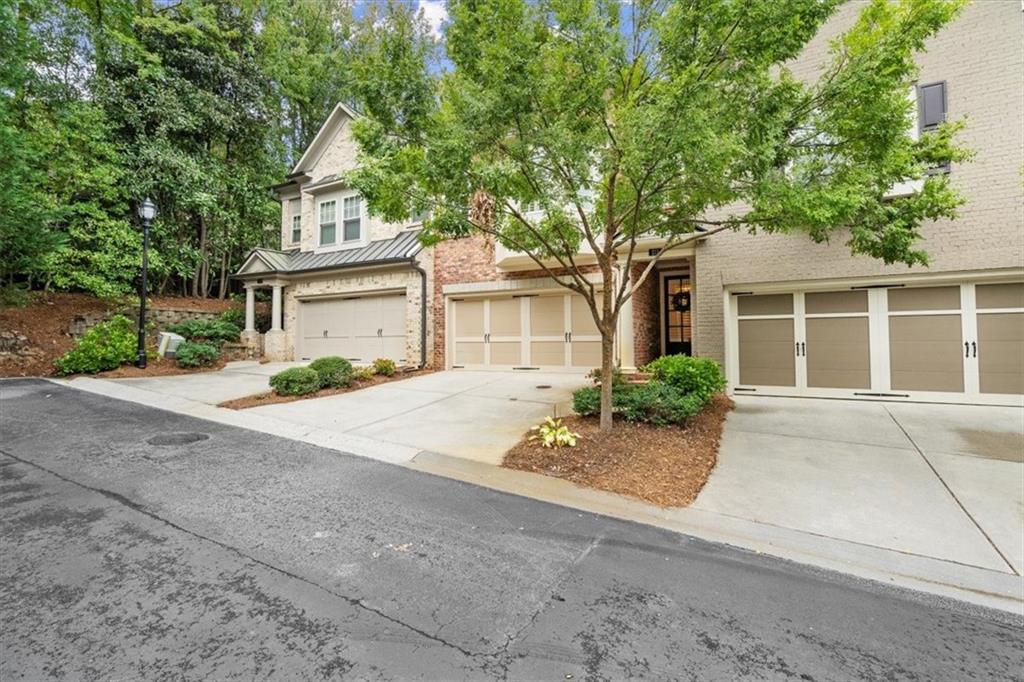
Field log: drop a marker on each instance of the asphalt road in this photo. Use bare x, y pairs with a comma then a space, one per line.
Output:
129, 554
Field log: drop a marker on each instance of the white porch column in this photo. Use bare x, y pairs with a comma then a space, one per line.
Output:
250, 309
275, 311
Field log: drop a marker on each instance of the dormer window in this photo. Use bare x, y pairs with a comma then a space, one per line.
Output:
295, 211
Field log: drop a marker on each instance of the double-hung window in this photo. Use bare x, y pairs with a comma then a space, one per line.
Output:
295, 211
352, 229
328, 222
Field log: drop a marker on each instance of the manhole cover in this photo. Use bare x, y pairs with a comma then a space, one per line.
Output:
544, 386
177, 438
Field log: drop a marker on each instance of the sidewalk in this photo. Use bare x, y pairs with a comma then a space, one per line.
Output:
986, 585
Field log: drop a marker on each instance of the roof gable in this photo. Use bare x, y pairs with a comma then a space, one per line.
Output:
323, 137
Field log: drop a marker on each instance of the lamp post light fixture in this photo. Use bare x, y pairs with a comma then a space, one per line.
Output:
147, 212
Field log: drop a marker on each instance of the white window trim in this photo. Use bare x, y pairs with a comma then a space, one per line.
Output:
339, 223
907, 187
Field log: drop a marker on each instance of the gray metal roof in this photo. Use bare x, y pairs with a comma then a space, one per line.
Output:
402, 246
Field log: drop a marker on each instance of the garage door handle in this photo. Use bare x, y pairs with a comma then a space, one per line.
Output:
325, 333
380, 332
967, 350
974, 349
803, 349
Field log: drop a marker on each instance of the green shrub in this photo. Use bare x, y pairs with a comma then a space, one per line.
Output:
14, 296
196, 353
296, 381
384, 367
696, 376
214, 331
235, 316
362, 373
617, 378
587, 401
106, 346
334, 372
656, 402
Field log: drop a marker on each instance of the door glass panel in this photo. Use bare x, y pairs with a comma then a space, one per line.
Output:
1000, 295
675, 315
505, 317
547, 316
1001, 352
924, 298
767, 353
838, 352
926, 353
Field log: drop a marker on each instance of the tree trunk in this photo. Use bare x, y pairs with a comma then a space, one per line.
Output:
198, 280
223, 288
607, 377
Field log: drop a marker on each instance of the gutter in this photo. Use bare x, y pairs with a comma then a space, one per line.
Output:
415, 265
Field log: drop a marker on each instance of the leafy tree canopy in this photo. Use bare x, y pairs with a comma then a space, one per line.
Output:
656, 117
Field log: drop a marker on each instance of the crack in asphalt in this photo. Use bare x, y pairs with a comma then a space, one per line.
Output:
353, 601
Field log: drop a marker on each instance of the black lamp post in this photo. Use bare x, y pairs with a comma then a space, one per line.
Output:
147, 211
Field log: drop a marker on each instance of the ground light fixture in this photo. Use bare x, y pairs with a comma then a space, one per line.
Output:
147, 212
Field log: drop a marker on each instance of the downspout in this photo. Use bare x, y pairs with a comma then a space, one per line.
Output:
423, 310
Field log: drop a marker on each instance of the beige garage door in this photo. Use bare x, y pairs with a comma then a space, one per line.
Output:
360, 329
837, 350
545, 331
767, 340
1000, 349
926, 343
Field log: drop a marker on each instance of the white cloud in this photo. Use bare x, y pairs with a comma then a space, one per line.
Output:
436, 14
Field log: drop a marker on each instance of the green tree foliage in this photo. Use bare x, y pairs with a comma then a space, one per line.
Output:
652, 118
26, 236
199, 104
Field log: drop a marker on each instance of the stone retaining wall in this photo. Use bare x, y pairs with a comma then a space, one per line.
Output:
162, 317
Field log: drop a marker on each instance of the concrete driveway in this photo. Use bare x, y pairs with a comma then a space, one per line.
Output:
236, 380
941, 481
474, 415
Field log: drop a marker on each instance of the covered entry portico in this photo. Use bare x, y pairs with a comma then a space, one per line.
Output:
275, 347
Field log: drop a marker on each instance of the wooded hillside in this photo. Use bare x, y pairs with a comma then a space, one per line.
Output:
200, 104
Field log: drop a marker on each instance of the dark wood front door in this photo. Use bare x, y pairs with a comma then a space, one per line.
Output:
676, 316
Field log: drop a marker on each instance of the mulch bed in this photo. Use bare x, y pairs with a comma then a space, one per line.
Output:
667, 466
272, 398
45, 321
156, 367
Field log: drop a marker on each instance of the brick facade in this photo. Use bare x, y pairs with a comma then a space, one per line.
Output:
983, 85
646, 317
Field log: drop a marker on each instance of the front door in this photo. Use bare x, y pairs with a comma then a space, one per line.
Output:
676, 315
